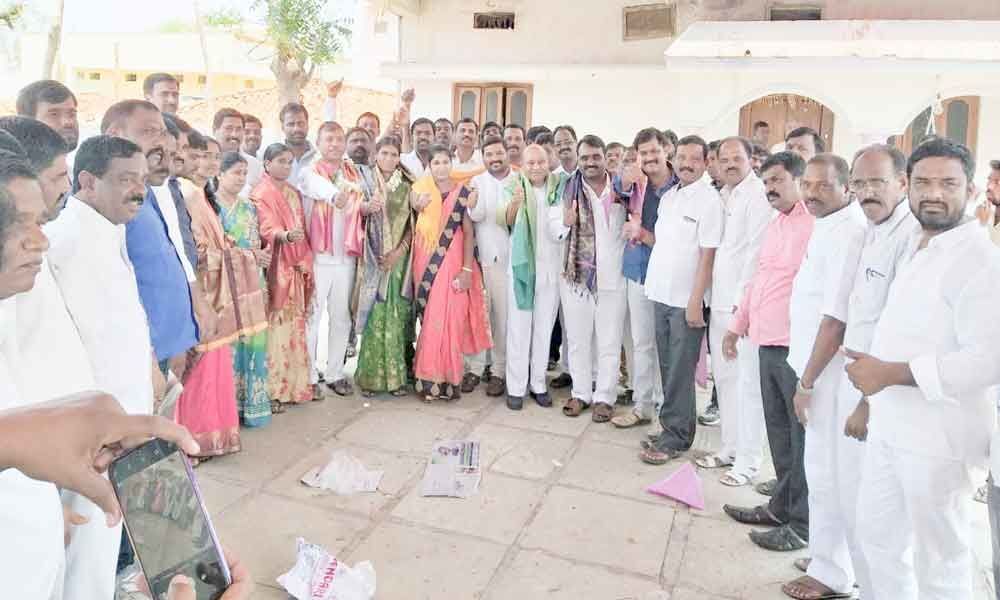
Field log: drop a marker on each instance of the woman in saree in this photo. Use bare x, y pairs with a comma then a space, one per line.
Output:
449, 295
289, 280
207, 405
239, 222
384, 284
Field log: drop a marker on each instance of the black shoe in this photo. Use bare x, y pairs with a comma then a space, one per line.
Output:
625, 398
779, 539
515, 402
757, 515
552, 366
542, 399
710, 418
766, 488
562, 381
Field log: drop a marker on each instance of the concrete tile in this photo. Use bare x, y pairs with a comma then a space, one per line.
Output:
721, 559
416, 564
611, 531
608, 433
263, 531
536, 575
468, 408
263, 592
219, 495
717, 494
400, 430
314, 422
548, 420
265, 453
398, 467
498, 512
617, 470
519, 452
686, 593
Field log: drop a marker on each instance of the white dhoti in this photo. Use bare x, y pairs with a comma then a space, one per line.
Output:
913, 519
738, 386
640, 350
831, 560
849, 454
594, 322
334, 284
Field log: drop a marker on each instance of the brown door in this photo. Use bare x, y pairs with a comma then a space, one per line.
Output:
784, 112
958, 121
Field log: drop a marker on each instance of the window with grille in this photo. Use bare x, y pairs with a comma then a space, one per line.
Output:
648, 21
795, 13
493, 20
131, 77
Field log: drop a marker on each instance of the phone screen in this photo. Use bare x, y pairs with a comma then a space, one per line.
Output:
166, 520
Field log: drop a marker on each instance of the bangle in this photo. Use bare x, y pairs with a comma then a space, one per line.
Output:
467, 269
805, 391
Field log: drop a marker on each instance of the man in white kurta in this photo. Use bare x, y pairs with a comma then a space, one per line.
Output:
878, 180
90, 264
818, 317
737, 383
593, 317
934, 359
493, 243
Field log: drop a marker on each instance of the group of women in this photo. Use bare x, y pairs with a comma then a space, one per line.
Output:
416, 265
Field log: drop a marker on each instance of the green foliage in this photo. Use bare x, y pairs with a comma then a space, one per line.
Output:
175, 26
225, 18
11, 14
300, 31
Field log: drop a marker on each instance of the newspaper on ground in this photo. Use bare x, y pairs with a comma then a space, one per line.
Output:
318, 575
453, 469
344, 475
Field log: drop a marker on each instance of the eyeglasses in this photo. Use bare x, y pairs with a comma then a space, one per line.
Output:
875, 184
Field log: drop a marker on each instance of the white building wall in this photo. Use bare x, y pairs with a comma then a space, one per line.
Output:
989, 137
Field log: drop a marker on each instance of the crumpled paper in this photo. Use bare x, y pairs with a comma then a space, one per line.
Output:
344, 475
317, 575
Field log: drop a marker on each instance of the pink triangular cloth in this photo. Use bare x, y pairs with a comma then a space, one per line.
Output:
683, 485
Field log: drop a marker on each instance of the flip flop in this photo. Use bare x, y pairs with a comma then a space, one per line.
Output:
574, 407
713, 461
808, 588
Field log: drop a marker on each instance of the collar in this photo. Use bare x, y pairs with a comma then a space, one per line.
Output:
837, 217
90, 214
797, 211
607, 186
748, 181
956, 235
898, 214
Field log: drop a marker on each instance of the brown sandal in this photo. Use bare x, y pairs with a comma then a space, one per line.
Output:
808, 588
603, 413
574, 407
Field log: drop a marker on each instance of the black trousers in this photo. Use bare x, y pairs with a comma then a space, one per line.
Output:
787, 437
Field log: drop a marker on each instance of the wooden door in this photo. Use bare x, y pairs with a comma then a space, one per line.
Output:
958, 121
518, 106
467, 103
784, 112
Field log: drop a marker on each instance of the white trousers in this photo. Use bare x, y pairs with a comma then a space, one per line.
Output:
913, 518
849, 454
831, 560
497, 280
640, 350
92, 554
334, 284
740, 403
594, 322
529, 334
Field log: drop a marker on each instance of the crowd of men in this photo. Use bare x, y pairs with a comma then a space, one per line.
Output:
844, 304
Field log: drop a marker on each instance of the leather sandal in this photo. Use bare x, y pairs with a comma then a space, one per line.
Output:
603, 413
574, 407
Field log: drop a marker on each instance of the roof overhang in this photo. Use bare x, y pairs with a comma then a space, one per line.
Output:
513, 72
843, 45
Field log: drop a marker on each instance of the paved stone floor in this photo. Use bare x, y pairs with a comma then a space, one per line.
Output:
561, 513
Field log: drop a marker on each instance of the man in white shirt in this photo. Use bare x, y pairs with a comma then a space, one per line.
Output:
513, 138
690, 224
467, 156
168, 207
227, 127
493, 242
529, 331
564, 140
737, 383
818, 318
91, 266
31, 518
253, 135
928, 377
878, 181
593, 286
418, 160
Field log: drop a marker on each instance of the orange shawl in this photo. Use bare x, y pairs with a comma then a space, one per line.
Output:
279, 209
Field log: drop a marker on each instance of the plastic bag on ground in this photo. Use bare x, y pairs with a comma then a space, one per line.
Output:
344, 475
317, 575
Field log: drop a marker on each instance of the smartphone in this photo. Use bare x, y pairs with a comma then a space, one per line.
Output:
166, 520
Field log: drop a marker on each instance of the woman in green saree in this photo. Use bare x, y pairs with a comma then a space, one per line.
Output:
384, 286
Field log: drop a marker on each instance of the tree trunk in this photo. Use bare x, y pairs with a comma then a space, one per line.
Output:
204, 57
55, 39
291, 79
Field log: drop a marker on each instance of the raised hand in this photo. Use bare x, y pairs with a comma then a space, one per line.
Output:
333, 89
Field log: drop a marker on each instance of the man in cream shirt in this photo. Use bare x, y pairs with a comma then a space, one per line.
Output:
928, 377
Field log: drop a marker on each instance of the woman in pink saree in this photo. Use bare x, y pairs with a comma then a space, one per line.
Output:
449, 294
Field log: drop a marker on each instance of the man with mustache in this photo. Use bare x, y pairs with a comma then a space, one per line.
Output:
493, 240
513, 138
467, 156
422, 135
878, 181
564, 139
644, 186
690, 225
747, 213
616, 151
163, 91
252, 135
295, 126
763, 318
359, 141
805, 142
930, 379
90, 262
444, 133
227, 129
55, 105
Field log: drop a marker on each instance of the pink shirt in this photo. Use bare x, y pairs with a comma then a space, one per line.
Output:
763, 311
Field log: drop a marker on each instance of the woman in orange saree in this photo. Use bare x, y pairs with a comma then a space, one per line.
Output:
289, 279
449, 294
